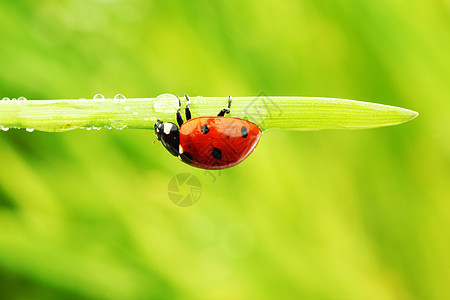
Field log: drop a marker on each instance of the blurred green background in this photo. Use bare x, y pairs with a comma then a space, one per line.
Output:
310, 215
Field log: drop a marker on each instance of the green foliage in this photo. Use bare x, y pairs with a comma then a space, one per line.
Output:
309, 215
300, 113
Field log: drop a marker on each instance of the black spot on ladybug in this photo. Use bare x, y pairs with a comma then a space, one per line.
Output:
228, 137
244, 132
186, 157
205, 129
216, 153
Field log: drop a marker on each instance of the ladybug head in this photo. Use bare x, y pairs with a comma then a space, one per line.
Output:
159, 127
169, 136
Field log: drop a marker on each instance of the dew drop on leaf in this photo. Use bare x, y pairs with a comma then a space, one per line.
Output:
166, 103
119, 98
99, 97
30, 129
118, 124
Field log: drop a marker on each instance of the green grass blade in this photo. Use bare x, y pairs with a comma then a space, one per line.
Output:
295, 113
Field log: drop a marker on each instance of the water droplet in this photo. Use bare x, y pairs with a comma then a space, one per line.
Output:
6, 99
30, 129
146, 119
99, 98
135, 112
126, 108
119, 98
5, 128
88, 128
13, 99
22, 99
166, 103
118, 124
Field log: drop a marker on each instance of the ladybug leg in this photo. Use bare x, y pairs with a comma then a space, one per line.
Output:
187, 111
179, 117
225, 110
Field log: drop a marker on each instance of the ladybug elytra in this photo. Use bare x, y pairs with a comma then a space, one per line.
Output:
217, 142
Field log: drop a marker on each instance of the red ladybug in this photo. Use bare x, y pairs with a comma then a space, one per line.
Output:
209, 142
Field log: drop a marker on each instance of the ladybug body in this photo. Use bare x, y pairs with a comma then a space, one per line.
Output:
209, 142
217, 142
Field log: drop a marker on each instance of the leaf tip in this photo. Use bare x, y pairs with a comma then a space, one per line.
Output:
411, 114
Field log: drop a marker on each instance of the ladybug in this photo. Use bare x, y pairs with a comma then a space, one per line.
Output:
210, 143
